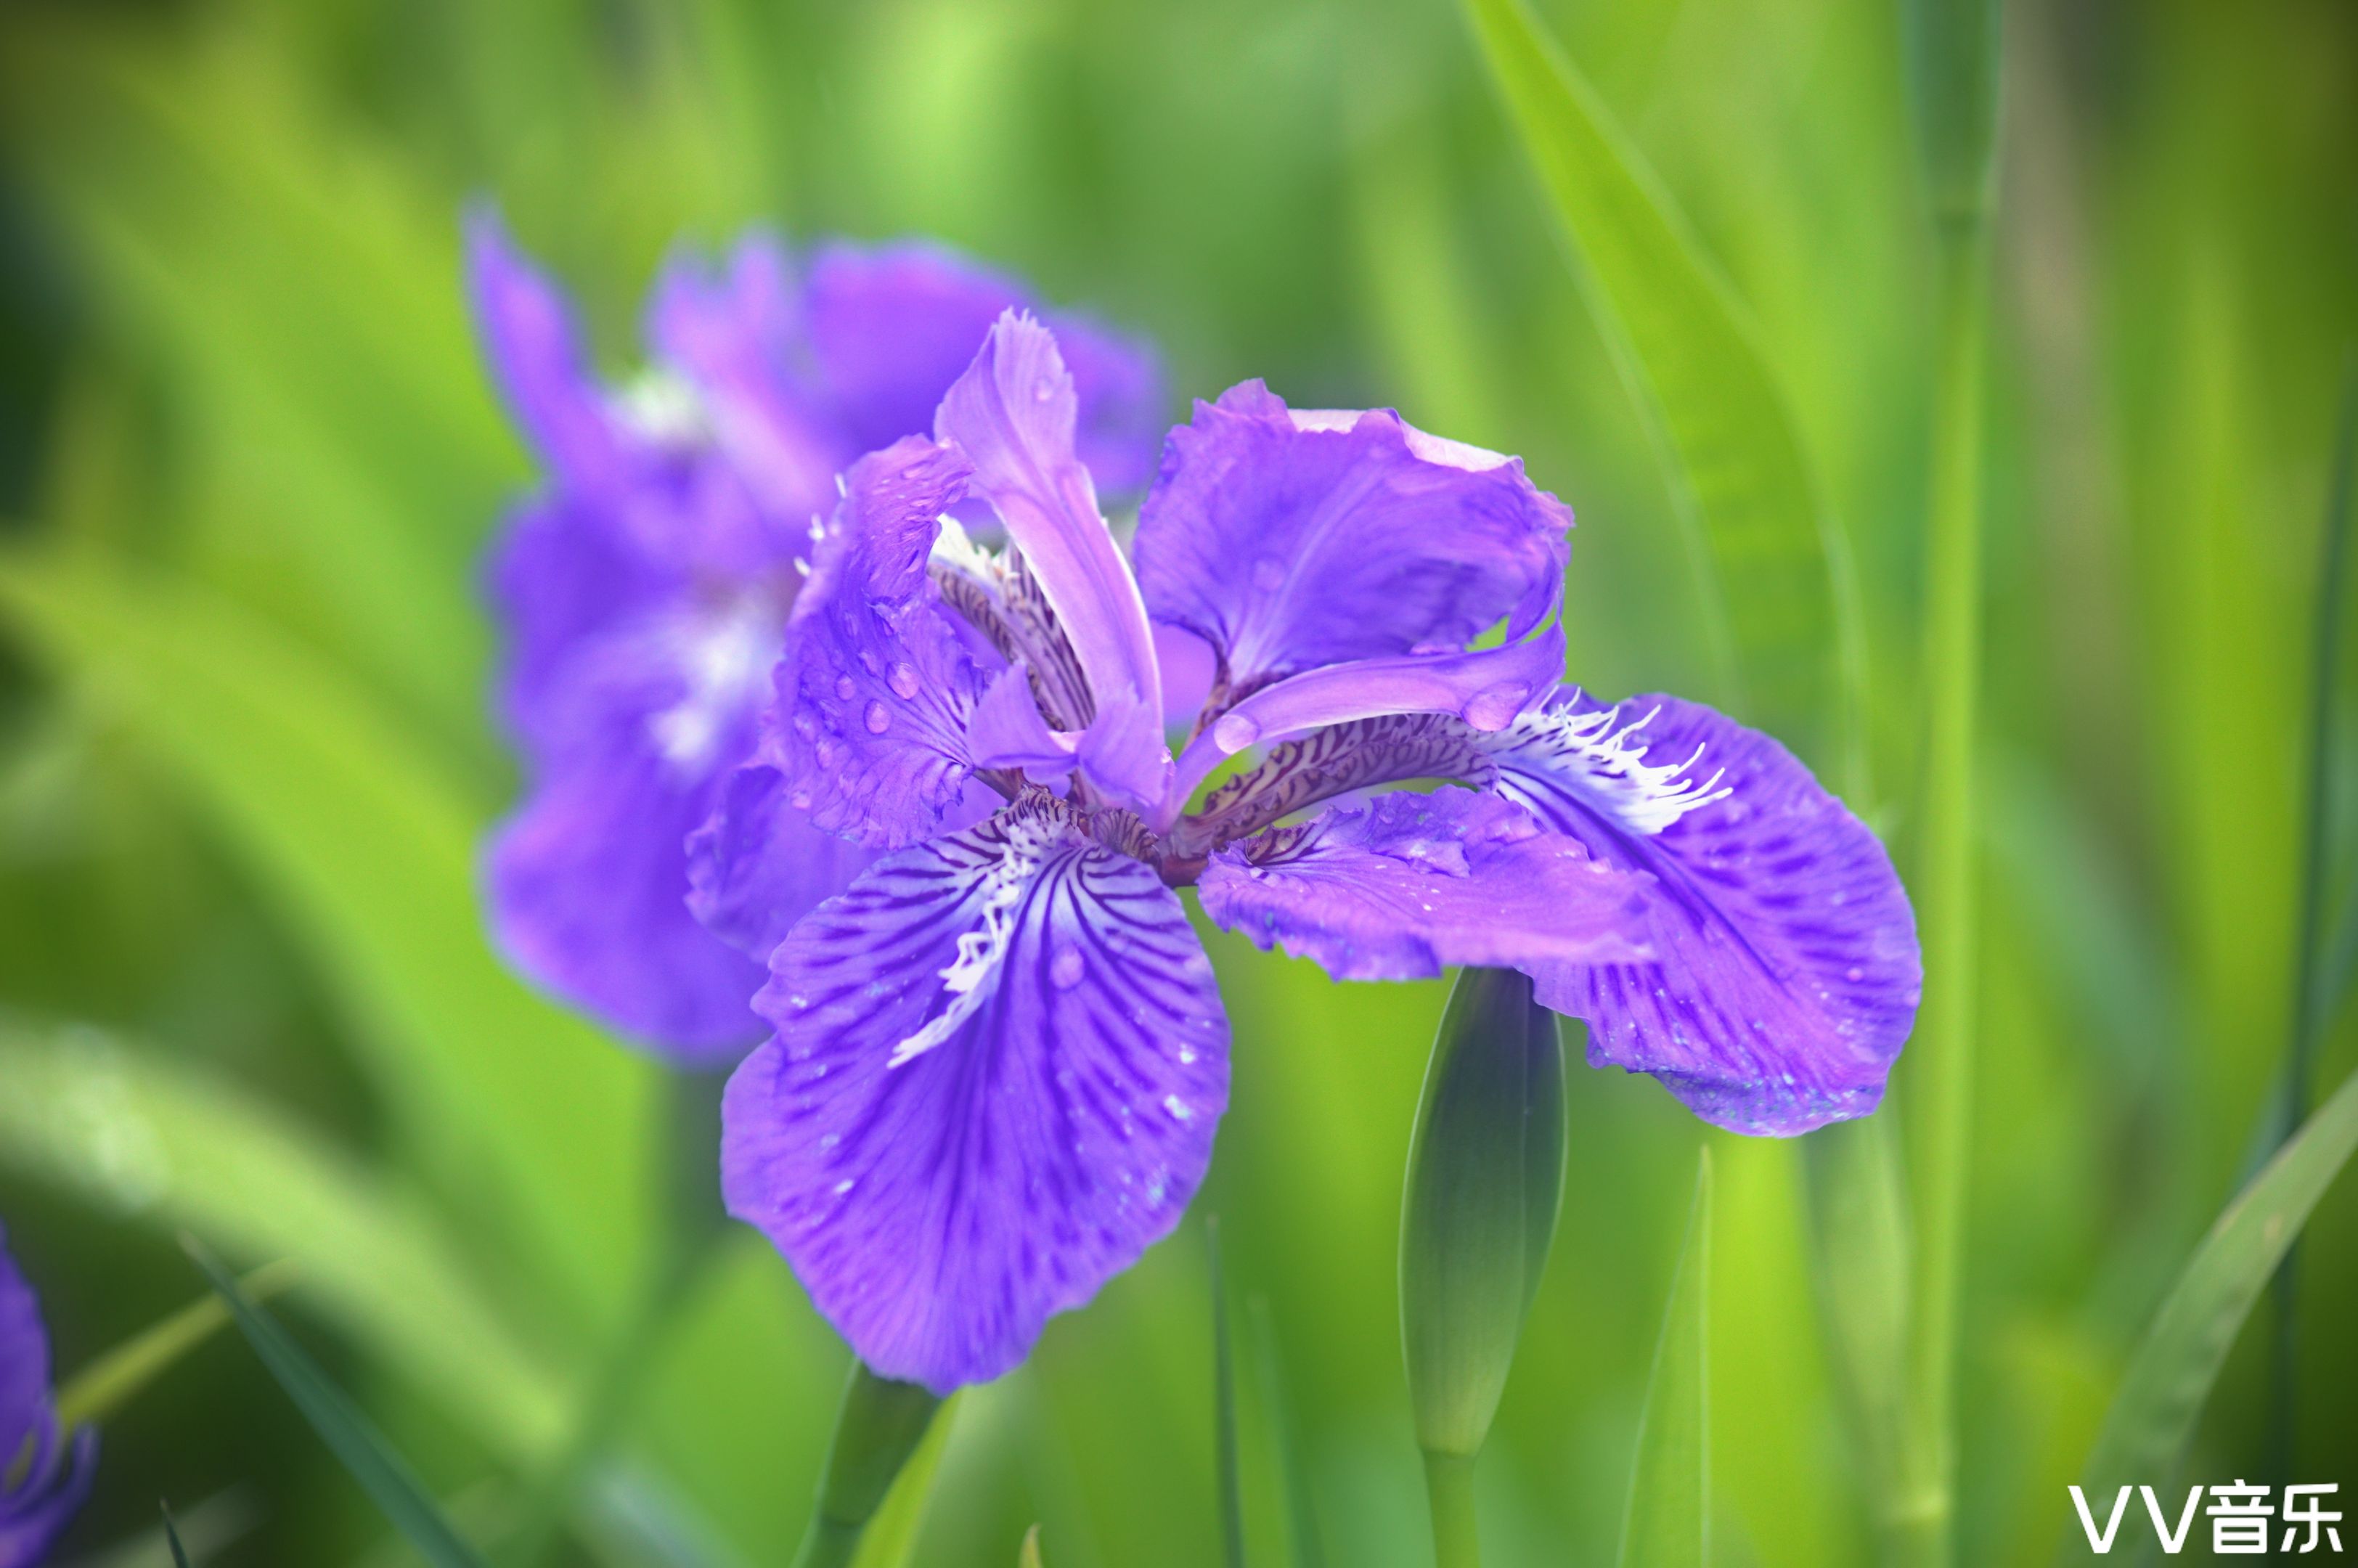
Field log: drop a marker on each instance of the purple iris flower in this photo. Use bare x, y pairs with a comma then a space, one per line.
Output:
644, 589
37, 1500
1000, 1054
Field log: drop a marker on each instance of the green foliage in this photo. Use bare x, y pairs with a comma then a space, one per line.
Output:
112, 1382
1667, 1523
340, 1425
248, 466
1774, 568
2146, 1432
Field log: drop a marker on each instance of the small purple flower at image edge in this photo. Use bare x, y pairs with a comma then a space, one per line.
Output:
44, 1473
643, 587
999, 1054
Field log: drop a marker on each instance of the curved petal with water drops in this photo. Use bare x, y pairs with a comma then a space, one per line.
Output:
1296, 539
1001, 1058
878, 685
1785, 970
1400, 886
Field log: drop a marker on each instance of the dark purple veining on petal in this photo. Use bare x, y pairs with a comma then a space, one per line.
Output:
1000, 1062
1786, 970
1398, 887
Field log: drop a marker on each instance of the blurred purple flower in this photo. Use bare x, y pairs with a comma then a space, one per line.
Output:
1000, 1055
36, 1502
644, 589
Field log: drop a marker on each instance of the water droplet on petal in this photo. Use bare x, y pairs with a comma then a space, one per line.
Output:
1235, 731
1494, 708
1269, 574
1046, 390
903, 679
1065, 970
800, 799
826, 751
844, 688
876, 719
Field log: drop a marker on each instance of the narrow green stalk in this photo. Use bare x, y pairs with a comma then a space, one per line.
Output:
1920, 1513
1449, 1483
880, 1425
2311, 1005
1224, 1369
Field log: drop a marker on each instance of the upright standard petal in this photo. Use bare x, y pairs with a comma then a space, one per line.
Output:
1001, 1058
1399, 887
890, 327
734, 335
1785, 969
1292, 541
878, 686
537, 355
37, 1500
1012, 414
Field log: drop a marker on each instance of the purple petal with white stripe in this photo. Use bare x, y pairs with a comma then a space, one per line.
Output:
36, 1502
1000, 1062
1786, 970
1399, 886
1292, 540
1012, 414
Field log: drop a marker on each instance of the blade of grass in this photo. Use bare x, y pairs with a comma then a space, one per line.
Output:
340, 1425
1791, 643
2151, 1417
1029, 1557
172, 1536
113, 1380
1301, 1515
2311, 1005
137, 1136
1224, 1394
1667, 1521
1954, 61
370, 849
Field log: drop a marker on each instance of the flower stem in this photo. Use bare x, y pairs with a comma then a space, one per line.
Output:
1919, 1523
880, 1425
1449, 1483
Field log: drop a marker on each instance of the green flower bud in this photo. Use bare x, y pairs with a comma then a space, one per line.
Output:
1485, 1180
880, 1425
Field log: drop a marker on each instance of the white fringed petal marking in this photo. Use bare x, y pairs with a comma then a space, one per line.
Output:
1645, 797
968, 979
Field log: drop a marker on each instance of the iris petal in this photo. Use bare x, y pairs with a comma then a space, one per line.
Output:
1295, 540
1400, 886
1001, 1058
1786, 970
36, 1502
878, 683
1012, 413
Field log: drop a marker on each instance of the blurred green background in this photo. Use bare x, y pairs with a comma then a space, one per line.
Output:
249, 461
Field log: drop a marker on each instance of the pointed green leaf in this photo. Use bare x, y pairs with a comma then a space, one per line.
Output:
340, 1425
1773, 567
2170, 1376
370, 850
112, 1382
172, 1538
1029, 1557
151, 1139
1668, 1520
